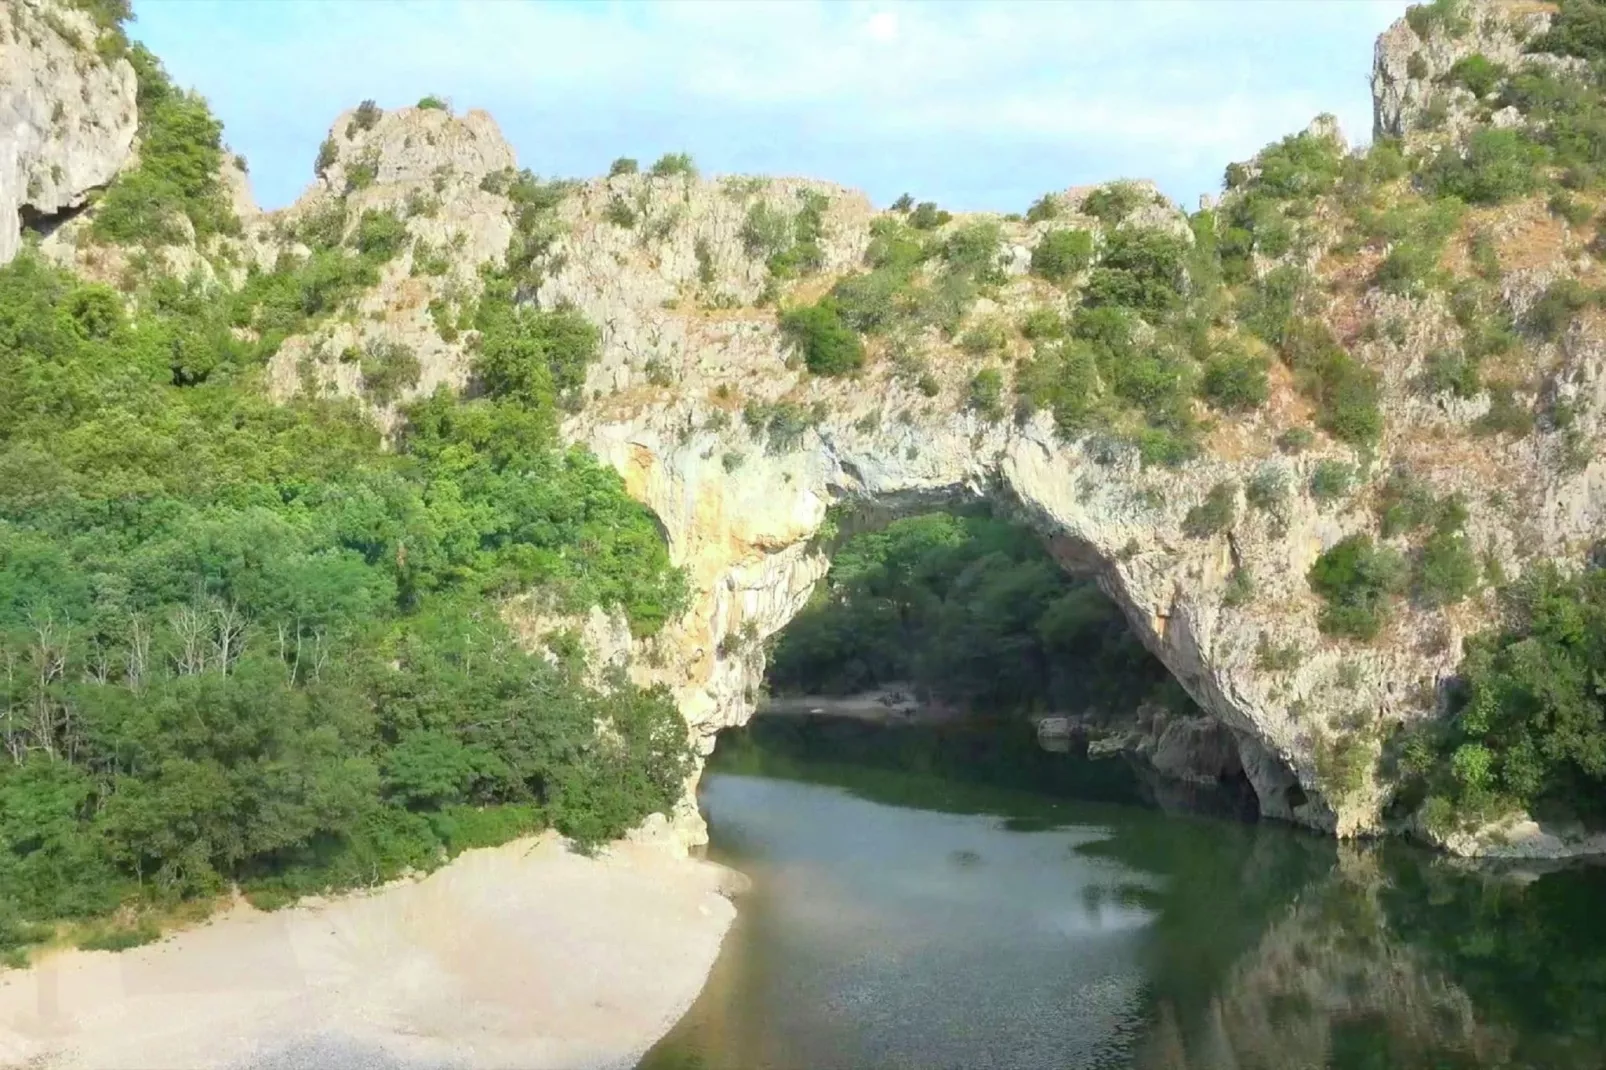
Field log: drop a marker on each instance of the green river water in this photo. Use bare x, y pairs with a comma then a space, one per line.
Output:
928, 898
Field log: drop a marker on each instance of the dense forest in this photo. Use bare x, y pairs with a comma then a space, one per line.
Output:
241, 642
970, 610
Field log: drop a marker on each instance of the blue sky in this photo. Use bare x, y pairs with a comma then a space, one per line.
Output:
976, 105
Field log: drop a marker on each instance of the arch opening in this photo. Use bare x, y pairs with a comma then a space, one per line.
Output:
949, 634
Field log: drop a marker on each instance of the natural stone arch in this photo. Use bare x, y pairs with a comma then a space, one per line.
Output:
746, 539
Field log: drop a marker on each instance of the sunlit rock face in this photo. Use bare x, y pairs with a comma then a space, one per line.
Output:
67, 116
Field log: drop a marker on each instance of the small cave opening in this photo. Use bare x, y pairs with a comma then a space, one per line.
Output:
956, 643
44, 224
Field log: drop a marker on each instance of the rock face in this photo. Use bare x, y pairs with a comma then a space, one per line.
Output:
701, 404
67, 116
1413, 57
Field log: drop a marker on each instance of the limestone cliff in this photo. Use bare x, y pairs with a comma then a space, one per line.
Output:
67, 115
699, 401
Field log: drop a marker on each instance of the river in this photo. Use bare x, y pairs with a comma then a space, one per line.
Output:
914, 907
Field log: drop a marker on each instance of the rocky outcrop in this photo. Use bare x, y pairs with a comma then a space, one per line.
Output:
701, 404
1413, 60
67, 115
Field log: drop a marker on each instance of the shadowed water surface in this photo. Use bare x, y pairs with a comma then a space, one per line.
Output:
904, 915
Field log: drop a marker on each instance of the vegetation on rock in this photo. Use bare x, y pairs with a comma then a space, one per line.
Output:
972, 611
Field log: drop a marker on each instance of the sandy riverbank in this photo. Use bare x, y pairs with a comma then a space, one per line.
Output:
523, 956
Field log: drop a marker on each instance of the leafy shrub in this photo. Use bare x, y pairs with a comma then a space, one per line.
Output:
1299, 167
1267, 490
1477, 73
828, 345
1215, 514
1042, 325
1112, 203
1506, 415
1043, 209
1140, 269
380, 236
1446, 569
1574, 211
927, 216
1498, 165
365, 118
873, 302
1239, 589
1448, 16
388, 368
1529, 726
1557, 307
986, 337
1407, 503
619, 213
766, 231
1270, 657
703, 253
531, 356
674, 163
894, 245
803, 253
433, 103
363, 171
1062, 254
1449, 371
972, 251
1331, 480
1296, 440
781, 424
1416, 66
1269, 307
1346, 393
1235, 382
905, 203
1355, 580
987, 394
120, 939
328, 152
180, 156
624, 165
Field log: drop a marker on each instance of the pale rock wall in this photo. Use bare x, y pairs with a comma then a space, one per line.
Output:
67, 117
1496, 29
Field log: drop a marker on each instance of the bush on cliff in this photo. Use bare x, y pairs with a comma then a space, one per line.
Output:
1356, 580
180, 155
827, 345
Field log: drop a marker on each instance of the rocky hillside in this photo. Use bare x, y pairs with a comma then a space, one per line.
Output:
1301, 436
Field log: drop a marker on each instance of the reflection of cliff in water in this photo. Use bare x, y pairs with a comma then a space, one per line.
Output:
1264, 948
1387, 959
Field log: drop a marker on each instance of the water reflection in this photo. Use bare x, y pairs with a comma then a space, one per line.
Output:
906, 916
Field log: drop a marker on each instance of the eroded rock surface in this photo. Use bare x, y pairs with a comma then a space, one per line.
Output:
67, 115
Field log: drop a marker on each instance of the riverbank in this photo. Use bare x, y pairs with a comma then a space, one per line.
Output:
891, 705
523, 955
